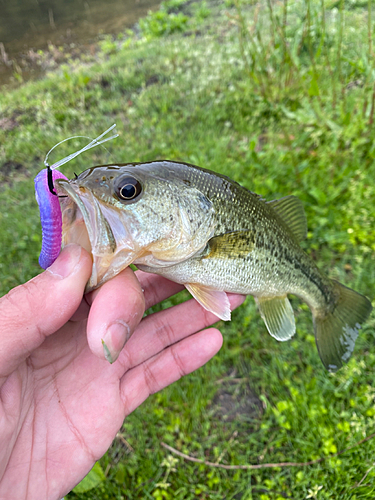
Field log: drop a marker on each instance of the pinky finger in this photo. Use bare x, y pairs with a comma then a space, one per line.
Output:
168, 366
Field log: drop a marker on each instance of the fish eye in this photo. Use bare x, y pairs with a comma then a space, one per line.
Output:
128, 188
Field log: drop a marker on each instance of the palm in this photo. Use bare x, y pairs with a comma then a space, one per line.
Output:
74, 410
62, 405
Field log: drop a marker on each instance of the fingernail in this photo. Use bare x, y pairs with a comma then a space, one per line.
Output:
66, 262
114, 340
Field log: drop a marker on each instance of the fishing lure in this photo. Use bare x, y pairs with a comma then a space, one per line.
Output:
48, 199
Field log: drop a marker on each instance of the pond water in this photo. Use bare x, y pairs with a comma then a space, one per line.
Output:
27, 26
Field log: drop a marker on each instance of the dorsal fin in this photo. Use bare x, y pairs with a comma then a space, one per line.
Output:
291, 210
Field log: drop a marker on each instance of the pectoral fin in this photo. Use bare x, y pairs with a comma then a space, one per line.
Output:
212, 300
229, 245
278, 315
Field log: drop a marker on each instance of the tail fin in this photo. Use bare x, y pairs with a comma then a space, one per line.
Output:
337, 331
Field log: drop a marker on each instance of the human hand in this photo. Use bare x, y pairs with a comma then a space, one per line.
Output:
61, 402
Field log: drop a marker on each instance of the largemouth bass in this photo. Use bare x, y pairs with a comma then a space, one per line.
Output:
203, 230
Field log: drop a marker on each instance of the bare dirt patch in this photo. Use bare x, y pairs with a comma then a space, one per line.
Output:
235, 400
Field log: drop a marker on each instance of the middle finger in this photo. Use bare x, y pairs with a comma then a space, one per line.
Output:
155, 289
162, 329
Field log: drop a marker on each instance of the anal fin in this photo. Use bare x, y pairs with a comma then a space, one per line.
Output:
278, 315
212, 300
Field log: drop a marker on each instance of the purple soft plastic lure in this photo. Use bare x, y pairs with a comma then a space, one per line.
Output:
50, 217
48, 201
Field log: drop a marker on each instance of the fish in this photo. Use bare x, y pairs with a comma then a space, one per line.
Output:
207, 232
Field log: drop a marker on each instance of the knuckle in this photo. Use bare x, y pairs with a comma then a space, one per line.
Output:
150, 379
178, 362
163, 331
207, 317
22, 299
126, 358
29, 292
19, 307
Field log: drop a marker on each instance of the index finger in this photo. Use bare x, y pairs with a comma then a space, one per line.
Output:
155, 289
116, 310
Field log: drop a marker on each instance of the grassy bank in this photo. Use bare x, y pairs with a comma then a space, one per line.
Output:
281, 98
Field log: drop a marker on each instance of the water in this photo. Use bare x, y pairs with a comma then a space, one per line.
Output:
27, 26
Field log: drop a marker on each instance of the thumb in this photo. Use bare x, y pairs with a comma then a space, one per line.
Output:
38, 308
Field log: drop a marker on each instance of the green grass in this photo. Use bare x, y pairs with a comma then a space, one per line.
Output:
281, 98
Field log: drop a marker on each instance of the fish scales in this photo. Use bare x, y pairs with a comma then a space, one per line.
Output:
209, 233
269, 266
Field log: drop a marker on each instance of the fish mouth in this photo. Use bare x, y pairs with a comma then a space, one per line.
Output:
95, 227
